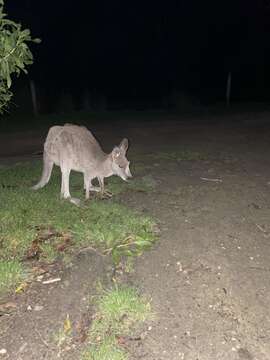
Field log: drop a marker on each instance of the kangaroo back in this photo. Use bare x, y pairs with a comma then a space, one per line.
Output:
72, 143
50, 146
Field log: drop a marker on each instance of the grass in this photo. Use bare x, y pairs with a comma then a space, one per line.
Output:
11, 274
119, 310
38, 222
108, 350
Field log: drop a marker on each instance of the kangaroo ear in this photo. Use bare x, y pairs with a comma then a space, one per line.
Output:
116, 152
124, 145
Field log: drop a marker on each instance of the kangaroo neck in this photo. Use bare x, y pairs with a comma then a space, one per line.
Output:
107, 166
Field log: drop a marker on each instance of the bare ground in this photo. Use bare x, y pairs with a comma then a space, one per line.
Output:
208, 275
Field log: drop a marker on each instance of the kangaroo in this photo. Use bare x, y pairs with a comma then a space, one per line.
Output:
73, 147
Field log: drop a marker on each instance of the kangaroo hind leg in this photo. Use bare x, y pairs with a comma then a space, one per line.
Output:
65, 194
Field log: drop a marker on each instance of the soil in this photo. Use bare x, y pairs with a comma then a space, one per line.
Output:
207, 276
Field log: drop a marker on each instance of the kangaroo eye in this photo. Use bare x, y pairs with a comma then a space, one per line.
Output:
121, 166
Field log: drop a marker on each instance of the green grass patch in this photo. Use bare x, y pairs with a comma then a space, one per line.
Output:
107, 350
39, 222
11, 274
119, 311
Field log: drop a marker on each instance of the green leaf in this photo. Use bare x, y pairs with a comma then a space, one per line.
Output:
8, 81
15, 54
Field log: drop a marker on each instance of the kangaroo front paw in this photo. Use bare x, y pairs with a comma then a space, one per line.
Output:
106, 194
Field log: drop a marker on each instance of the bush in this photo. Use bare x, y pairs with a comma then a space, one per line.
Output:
15, 54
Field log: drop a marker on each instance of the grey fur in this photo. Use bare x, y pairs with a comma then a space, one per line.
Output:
74, 147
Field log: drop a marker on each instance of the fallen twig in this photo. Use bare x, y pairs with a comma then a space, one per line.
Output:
259, 268
129, 242
51, 281
40, 336
265, 232
213, 180
260, 228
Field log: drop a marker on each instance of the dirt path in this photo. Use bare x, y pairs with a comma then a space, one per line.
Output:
208, 276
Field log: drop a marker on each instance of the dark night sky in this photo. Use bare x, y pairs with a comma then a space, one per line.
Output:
138, 48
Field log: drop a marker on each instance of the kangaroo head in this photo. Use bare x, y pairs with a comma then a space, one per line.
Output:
120, 164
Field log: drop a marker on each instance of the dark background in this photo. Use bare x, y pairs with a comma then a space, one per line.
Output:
146, 54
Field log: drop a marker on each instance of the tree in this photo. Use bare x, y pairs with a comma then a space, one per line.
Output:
15, 54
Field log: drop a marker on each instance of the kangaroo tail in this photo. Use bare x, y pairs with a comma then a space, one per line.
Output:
46, 172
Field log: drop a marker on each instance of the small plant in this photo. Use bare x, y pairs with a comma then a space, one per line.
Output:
119, 310
48, 253
108, 350
11, 274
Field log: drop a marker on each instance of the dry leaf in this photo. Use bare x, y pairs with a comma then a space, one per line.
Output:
67, 325
7, 307
21, 288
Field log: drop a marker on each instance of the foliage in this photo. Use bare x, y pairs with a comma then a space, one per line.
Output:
11, 273
108, 349
15, 54
119, 311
